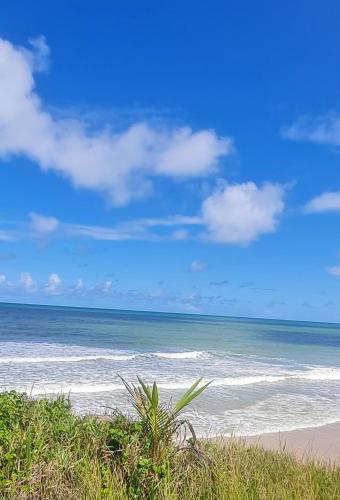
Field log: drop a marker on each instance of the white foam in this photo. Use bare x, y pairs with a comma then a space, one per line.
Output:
256, 379
180, 355
313, 375
73, 389
95, 388
321, 373
281, 413
175, 385
66, 359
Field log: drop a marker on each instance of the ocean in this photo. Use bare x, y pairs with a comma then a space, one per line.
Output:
267, 375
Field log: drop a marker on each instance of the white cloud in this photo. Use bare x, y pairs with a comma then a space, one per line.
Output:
53, 285
121, 165
197, 265
325, 202
333, 270
43, 224
107, 286
40, 55
324, 129
240, 213
102, 233
27, 283
138, 229
180, 234
79, 284
2, 279
232, 214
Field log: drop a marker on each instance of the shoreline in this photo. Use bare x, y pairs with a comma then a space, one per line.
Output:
321, 443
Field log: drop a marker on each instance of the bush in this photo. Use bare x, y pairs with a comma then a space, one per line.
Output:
46, 452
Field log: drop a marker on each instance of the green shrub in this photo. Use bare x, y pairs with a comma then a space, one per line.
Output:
46, 452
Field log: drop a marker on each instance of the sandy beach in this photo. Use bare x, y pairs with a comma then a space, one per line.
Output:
319, 443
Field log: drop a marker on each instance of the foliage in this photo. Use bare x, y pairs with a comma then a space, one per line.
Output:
46, 452
160, 422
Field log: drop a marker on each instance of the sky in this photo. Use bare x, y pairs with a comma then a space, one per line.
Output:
171, 156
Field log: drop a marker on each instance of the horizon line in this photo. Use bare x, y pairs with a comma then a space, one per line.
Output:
58, 306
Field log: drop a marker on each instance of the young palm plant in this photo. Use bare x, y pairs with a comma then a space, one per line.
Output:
161, 422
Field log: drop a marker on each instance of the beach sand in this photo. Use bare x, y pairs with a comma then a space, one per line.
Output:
318, 443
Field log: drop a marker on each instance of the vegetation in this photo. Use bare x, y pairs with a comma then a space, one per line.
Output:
48, 453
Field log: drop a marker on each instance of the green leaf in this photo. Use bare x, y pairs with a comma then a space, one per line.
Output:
189, 395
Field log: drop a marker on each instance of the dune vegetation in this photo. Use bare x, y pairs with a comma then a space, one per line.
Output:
46, 452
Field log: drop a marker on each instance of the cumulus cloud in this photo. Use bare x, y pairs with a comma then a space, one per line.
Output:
53, 285
2, 279
234, 214
79, 284
333, 270
120, 164
325, 202
43, 224
107, 287
197, 266
26, 283
324, 129
240, 213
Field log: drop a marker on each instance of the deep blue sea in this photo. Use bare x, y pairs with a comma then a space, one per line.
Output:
267, 375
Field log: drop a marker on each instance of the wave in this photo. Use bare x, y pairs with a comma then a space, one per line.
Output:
74, 389
321, 373
180, 355
282, 412
67, 359
315, 374
98, 357
96, 388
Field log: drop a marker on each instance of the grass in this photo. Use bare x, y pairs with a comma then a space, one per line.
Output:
48, 453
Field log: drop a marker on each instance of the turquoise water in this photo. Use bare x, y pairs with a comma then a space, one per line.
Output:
267, 375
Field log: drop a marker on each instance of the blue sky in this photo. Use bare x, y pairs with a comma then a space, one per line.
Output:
171, 156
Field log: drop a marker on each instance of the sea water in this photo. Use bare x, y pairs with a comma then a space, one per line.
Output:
267, 375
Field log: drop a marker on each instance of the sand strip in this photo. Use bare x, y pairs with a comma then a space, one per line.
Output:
319, 443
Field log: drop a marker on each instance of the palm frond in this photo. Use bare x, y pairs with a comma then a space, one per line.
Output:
160, 422
189, 396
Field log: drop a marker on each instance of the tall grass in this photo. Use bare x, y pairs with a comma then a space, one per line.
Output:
48, 453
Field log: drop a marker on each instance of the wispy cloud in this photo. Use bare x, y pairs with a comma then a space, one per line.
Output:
325, 202
323, 129
233, 214
247, 284
219, 283
43, 224
333, 270
7, 235
197, 266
